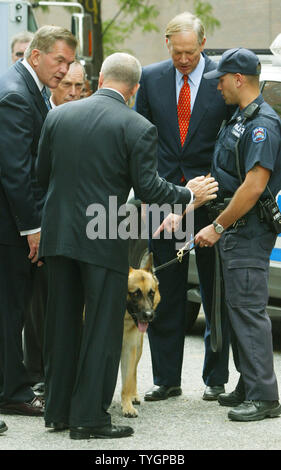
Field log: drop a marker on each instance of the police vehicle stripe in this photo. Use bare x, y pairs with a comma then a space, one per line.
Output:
276, 252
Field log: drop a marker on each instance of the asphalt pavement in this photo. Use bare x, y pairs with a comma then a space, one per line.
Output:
178, 424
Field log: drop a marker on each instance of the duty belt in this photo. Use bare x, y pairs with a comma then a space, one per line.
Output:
216, 208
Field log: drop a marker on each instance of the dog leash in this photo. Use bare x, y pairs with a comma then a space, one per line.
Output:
216, 313
216, 326
180, 254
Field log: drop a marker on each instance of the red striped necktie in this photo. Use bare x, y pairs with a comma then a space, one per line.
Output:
184, 109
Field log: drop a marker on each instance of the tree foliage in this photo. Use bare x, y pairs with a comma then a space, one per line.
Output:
131, 14
110, 35
204, 11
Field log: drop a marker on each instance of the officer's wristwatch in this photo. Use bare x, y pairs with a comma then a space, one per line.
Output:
218, 227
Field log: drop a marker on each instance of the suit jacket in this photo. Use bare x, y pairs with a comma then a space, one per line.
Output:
156, 100
22, 113
89, 150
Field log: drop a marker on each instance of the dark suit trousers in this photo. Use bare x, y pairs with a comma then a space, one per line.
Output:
34, 326
82, 357
167, 332
15, 287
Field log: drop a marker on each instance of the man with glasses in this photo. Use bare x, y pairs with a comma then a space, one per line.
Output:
19, 44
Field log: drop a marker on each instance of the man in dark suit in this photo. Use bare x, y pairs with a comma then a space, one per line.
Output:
22, 111
84, 165
188, 117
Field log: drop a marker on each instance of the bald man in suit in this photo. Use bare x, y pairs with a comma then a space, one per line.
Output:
112, 150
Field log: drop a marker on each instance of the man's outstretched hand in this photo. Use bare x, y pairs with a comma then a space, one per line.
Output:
204, 189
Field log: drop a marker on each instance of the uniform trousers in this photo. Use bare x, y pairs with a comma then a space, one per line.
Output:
82, 350
245, 253
167, 332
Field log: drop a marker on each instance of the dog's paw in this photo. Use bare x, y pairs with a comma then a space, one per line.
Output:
136, 400
129, 412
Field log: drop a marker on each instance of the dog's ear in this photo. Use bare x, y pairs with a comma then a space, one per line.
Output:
149, 265
130, 269
157, 299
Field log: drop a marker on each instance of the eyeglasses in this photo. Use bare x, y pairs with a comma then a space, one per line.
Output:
19, 54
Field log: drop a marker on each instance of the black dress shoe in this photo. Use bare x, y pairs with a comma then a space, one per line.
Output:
56, 426
255, 410
232, 399
162, 393
104, 432
33, 408
212, 393
3, 427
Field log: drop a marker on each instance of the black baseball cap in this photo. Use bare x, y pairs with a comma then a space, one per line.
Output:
237, 60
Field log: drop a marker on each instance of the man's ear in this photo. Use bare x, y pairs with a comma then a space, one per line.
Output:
34, 57
135, 89
101, 80
239, 79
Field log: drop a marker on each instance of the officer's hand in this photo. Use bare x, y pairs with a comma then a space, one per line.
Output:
204, 189
206, 237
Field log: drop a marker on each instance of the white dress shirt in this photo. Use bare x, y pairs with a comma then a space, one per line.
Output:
194, 80
40, 86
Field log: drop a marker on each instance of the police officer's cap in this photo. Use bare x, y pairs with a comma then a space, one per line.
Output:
237, 60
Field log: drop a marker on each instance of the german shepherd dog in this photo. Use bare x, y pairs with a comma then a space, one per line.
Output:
142, 300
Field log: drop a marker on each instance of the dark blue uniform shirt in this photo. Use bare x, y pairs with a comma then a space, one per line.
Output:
259, 143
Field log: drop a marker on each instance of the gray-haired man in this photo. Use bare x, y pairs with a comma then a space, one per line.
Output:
19, 44
22, 112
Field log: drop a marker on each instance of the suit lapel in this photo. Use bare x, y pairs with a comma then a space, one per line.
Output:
203, 100
33, 89
166, 86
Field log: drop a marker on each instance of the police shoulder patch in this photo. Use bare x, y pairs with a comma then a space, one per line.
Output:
259, 134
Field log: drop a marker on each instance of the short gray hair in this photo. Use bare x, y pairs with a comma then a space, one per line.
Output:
186, 22
122, 67
24, 36
45, 38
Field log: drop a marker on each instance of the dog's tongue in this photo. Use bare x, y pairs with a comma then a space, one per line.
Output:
142, 327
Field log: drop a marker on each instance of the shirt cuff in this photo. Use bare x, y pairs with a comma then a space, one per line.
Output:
30, 232
192, 197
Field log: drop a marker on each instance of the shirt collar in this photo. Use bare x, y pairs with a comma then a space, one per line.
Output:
195, 76
33, 73
52, 103
113, 89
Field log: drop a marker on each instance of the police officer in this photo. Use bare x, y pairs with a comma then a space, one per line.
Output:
247, 166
